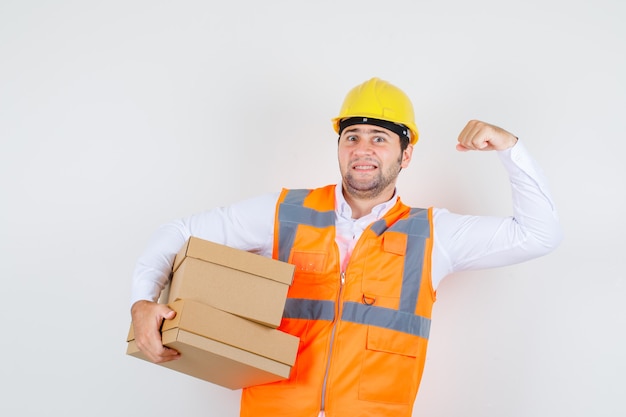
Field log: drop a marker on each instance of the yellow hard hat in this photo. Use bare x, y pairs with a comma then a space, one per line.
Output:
377, 99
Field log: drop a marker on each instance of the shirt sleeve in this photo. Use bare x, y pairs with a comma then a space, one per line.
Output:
464, 242
247, 225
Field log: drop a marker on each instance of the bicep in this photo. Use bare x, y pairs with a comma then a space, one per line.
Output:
478, 242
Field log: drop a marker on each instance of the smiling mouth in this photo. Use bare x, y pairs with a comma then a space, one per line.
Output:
364, 167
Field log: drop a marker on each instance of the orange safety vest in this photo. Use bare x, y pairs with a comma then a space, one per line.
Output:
363, 332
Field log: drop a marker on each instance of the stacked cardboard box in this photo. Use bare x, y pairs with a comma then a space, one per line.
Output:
228, 304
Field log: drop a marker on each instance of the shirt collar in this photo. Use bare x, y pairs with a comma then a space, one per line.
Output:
343, 209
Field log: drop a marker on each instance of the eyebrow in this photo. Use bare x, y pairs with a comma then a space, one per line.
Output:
359, 130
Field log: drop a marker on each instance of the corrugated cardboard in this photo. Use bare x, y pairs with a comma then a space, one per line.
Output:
236, 281
222, 348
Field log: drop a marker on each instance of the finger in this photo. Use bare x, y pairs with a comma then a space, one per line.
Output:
480, 135
469, 138
152, 346
162, 354
166, 354
461, 148
477, 136
169, 314
162, 311
466, 132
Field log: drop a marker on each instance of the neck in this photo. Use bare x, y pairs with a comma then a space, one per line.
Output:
362, 206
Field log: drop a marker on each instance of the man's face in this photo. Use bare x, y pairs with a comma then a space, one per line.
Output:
370, 159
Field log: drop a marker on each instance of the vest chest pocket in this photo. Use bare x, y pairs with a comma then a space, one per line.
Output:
384, 268
390, 369
309, 262
310, 271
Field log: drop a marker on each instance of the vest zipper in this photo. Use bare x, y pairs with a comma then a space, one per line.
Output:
342, 281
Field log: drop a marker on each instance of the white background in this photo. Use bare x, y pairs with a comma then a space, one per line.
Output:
118, 116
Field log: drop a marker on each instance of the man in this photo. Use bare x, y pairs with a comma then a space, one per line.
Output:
367, 266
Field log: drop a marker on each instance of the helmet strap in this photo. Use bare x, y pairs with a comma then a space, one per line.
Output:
396, 128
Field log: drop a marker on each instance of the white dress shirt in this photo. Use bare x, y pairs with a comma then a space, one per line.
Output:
461, 242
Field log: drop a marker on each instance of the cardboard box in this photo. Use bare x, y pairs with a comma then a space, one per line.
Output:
222, 348
232, 280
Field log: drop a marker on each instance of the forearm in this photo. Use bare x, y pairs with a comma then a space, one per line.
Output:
464, 242
154, 266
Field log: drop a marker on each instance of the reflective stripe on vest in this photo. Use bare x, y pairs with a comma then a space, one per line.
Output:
416, 227
302, 308
387, 318
292, 213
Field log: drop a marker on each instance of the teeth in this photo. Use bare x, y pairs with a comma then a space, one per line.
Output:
364, 167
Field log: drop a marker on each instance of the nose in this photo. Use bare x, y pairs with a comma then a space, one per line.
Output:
363, 147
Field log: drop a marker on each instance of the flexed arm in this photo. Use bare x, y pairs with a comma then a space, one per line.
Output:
469, 242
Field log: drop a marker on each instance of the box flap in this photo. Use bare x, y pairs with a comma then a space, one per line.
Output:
235, 259
206, 321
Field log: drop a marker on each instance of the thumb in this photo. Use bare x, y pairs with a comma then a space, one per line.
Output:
167, 313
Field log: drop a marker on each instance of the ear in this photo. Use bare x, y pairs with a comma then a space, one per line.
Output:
406, 156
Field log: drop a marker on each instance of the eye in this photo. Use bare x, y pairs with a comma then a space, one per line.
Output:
351, 138
379, 139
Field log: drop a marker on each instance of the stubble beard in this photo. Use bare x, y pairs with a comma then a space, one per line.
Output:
374, 187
